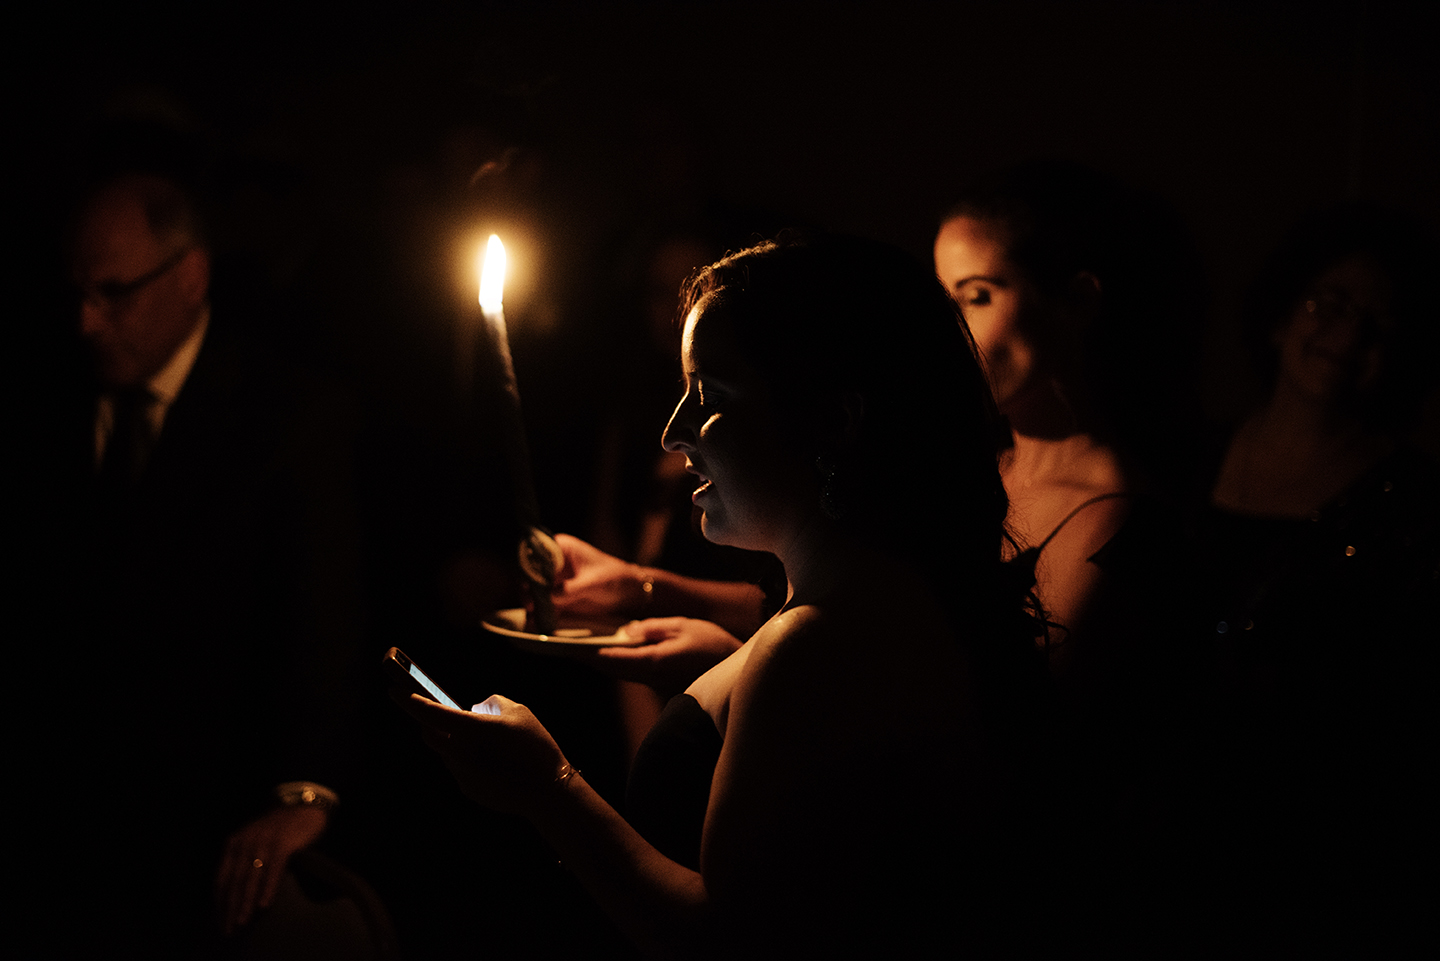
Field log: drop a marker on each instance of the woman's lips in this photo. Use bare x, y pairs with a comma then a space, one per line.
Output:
704, 481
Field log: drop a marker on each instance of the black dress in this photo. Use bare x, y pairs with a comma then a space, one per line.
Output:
670, 779
906, 874
1311, 646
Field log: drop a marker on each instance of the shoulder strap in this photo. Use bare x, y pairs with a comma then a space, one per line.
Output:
1070, 516
1024, 563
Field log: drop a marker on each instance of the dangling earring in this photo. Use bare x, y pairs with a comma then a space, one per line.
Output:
832, 502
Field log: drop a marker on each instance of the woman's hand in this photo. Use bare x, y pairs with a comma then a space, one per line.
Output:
593, 583
676, 651
255, 857
501, 755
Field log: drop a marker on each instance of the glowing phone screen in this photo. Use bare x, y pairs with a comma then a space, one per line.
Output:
429, 685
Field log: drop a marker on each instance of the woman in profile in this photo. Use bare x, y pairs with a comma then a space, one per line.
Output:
847, 782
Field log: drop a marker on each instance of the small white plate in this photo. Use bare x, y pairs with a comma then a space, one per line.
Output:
510, 622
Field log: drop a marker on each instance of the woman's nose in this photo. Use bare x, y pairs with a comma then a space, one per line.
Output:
678, 434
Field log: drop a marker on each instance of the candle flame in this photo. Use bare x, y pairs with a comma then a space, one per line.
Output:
492, 276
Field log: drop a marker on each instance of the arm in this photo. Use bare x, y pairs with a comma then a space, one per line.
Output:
595, 583
506, 760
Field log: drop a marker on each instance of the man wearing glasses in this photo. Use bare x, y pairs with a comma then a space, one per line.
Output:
223, 582
144, 277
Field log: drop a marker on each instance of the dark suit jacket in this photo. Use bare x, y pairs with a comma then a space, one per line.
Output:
217, 613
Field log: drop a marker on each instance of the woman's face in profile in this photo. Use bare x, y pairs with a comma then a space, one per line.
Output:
1332, 345
753, 477
996, 299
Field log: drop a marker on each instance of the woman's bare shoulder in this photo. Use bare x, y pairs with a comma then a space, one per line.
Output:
780, 650
1094, 522
788, 642
821, 662
808, 635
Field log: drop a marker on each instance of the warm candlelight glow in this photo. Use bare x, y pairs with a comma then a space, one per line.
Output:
492, 276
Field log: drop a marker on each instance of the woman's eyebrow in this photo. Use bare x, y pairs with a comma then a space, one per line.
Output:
984, 278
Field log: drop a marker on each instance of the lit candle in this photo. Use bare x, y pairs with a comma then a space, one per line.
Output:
492, 304
540, 556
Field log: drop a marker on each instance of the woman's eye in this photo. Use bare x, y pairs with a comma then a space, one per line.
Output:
978, 297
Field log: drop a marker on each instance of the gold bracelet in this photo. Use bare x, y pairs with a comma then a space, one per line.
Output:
566, 773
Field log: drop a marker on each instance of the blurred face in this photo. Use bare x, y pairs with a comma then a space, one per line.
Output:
141, 297
1332, 345
754, 479
999, 304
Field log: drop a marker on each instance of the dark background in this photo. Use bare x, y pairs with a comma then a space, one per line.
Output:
349, 136
344, 145
357, 157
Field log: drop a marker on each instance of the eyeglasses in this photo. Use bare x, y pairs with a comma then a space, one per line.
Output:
112, 293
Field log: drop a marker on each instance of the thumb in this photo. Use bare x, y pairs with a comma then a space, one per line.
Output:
492, 706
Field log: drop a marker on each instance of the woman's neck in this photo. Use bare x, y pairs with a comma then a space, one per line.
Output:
816, 560
1076, 460
1044, 410
828, 560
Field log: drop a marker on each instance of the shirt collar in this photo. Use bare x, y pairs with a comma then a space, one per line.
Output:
166, 384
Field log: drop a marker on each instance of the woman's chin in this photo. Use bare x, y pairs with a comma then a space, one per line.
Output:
715, 531
709, 529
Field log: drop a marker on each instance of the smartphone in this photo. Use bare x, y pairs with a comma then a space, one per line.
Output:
405, 671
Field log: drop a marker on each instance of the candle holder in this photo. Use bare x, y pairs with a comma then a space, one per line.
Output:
540, 560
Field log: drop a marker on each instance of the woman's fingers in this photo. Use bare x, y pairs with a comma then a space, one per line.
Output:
654, 629
493, 706
498, 751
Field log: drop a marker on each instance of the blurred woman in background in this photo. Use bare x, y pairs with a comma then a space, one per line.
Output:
1317, 573
1081, 296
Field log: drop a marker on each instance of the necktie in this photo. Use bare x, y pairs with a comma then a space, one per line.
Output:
131, 441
